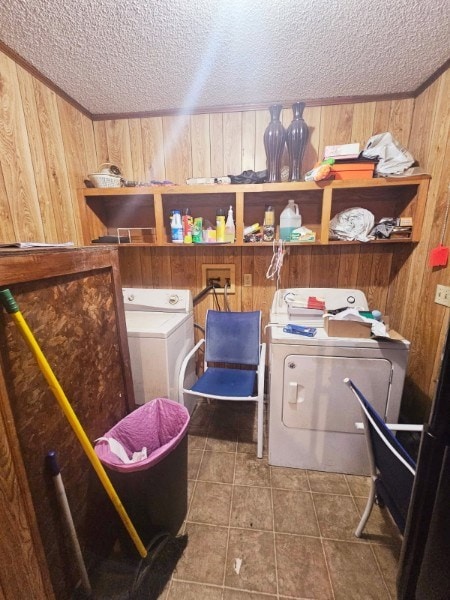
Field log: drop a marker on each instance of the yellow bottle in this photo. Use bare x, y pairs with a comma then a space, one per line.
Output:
220, 226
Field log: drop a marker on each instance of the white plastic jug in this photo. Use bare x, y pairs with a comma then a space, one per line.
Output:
290, 219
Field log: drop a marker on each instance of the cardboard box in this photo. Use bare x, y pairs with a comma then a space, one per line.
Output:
356, 170
347, 329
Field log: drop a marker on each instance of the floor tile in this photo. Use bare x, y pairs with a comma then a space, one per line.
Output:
181, 590
224, 417
359, 486
201, 416
223, 439
328, 483
190, 489
203, 560
287, 478
247, 440
294, 512
251, 470
337, 516
194, 460
257, 570
248, 419
251, 508
211, 503
380, 527
240, 595
196, 439
388, 557
354, 571
301, 567
217, 466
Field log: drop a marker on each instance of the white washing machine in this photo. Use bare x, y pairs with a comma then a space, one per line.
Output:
312, 413
160, 329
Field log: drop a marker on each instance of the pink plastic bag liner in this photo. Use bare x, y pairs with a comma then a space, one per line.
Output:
159, 425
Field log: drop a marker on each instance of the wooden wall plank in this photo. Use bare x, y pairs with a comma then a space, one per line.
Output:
312, 116
101, 143
348, 267
232, 143
54, 153
89, 145
248, 141
201, 150
296, 269
137, 153
35, 142
336, 126
76, 163
6, 226
177, 148
400, 120
153, 149
119, 146
428, 320
362, 123
23, 571
16, 160
216, 145
381, 117
261, 121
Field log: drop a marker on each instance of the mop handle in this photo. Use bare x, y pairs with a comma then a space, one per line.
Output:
53, 467
11, 306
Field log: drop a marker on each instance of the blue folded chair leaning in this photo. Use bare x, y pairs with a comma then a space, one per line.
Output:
392, 469
234, 362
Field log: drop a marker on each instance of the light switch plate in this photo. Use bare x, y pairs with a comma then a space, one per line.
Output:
442, 295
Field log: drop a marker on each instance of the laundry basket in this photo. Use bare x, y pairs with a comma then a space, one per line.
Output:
154, 490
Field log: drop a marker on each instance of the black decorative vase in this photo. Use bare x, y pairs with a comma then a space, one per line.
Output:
274, 140
296, 139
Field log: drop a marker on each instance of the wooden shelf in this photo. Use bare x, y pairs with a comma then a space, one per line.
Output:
103, 210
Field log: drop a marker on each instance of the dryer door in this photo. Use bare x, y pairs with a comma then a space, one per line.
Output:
315, 397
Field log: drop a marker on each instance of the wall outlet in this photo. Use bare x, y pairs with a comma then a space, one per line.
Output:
442, 295
247, 279
220, 275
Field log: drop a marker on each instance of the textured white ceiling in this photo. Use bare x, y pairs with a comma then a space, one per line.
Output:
134, 56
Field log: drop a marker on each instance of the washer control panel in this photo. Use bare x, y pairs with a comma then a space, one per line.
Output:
157, 300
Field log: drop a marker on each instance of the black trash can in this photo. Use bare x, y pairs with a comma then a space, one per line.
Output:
153, 490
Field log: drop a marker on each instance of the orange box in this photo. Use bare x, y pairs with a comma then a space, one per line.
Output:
357, 170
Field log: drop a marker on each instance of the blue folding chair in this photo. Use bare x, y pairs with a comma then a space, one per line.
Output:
234, 362
392, 469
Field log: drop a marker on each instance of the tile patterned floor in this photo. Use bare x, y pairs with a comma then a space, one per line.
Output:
290, 530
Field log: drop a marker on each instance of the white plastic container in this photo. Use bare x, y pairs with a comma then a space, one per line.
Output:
176, 227
290, 219
230, 229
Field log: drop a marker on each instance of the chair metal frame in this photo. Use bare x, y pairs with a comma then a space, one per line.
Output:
259, 369
367, 423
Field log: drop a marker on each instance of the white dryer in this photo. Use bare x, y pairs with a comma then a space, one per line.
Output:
160, 330
312, 413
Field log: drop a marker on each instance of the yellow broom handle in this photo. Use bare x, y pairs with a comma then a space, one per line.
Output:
12, 308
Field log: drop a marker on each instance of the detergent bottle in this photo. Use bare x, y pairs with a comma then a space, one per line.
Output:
290, 219
176, 227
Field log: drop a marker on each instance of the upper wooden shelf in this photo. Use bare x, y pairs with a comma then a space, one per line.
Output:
104, 210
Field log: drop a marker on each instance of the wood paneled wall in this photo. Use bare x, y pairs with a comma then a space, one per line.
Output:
47, 147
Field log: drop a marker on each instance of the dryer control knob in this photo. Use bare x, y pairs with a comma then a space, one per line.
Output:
173, 299
291, 365
130, 298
